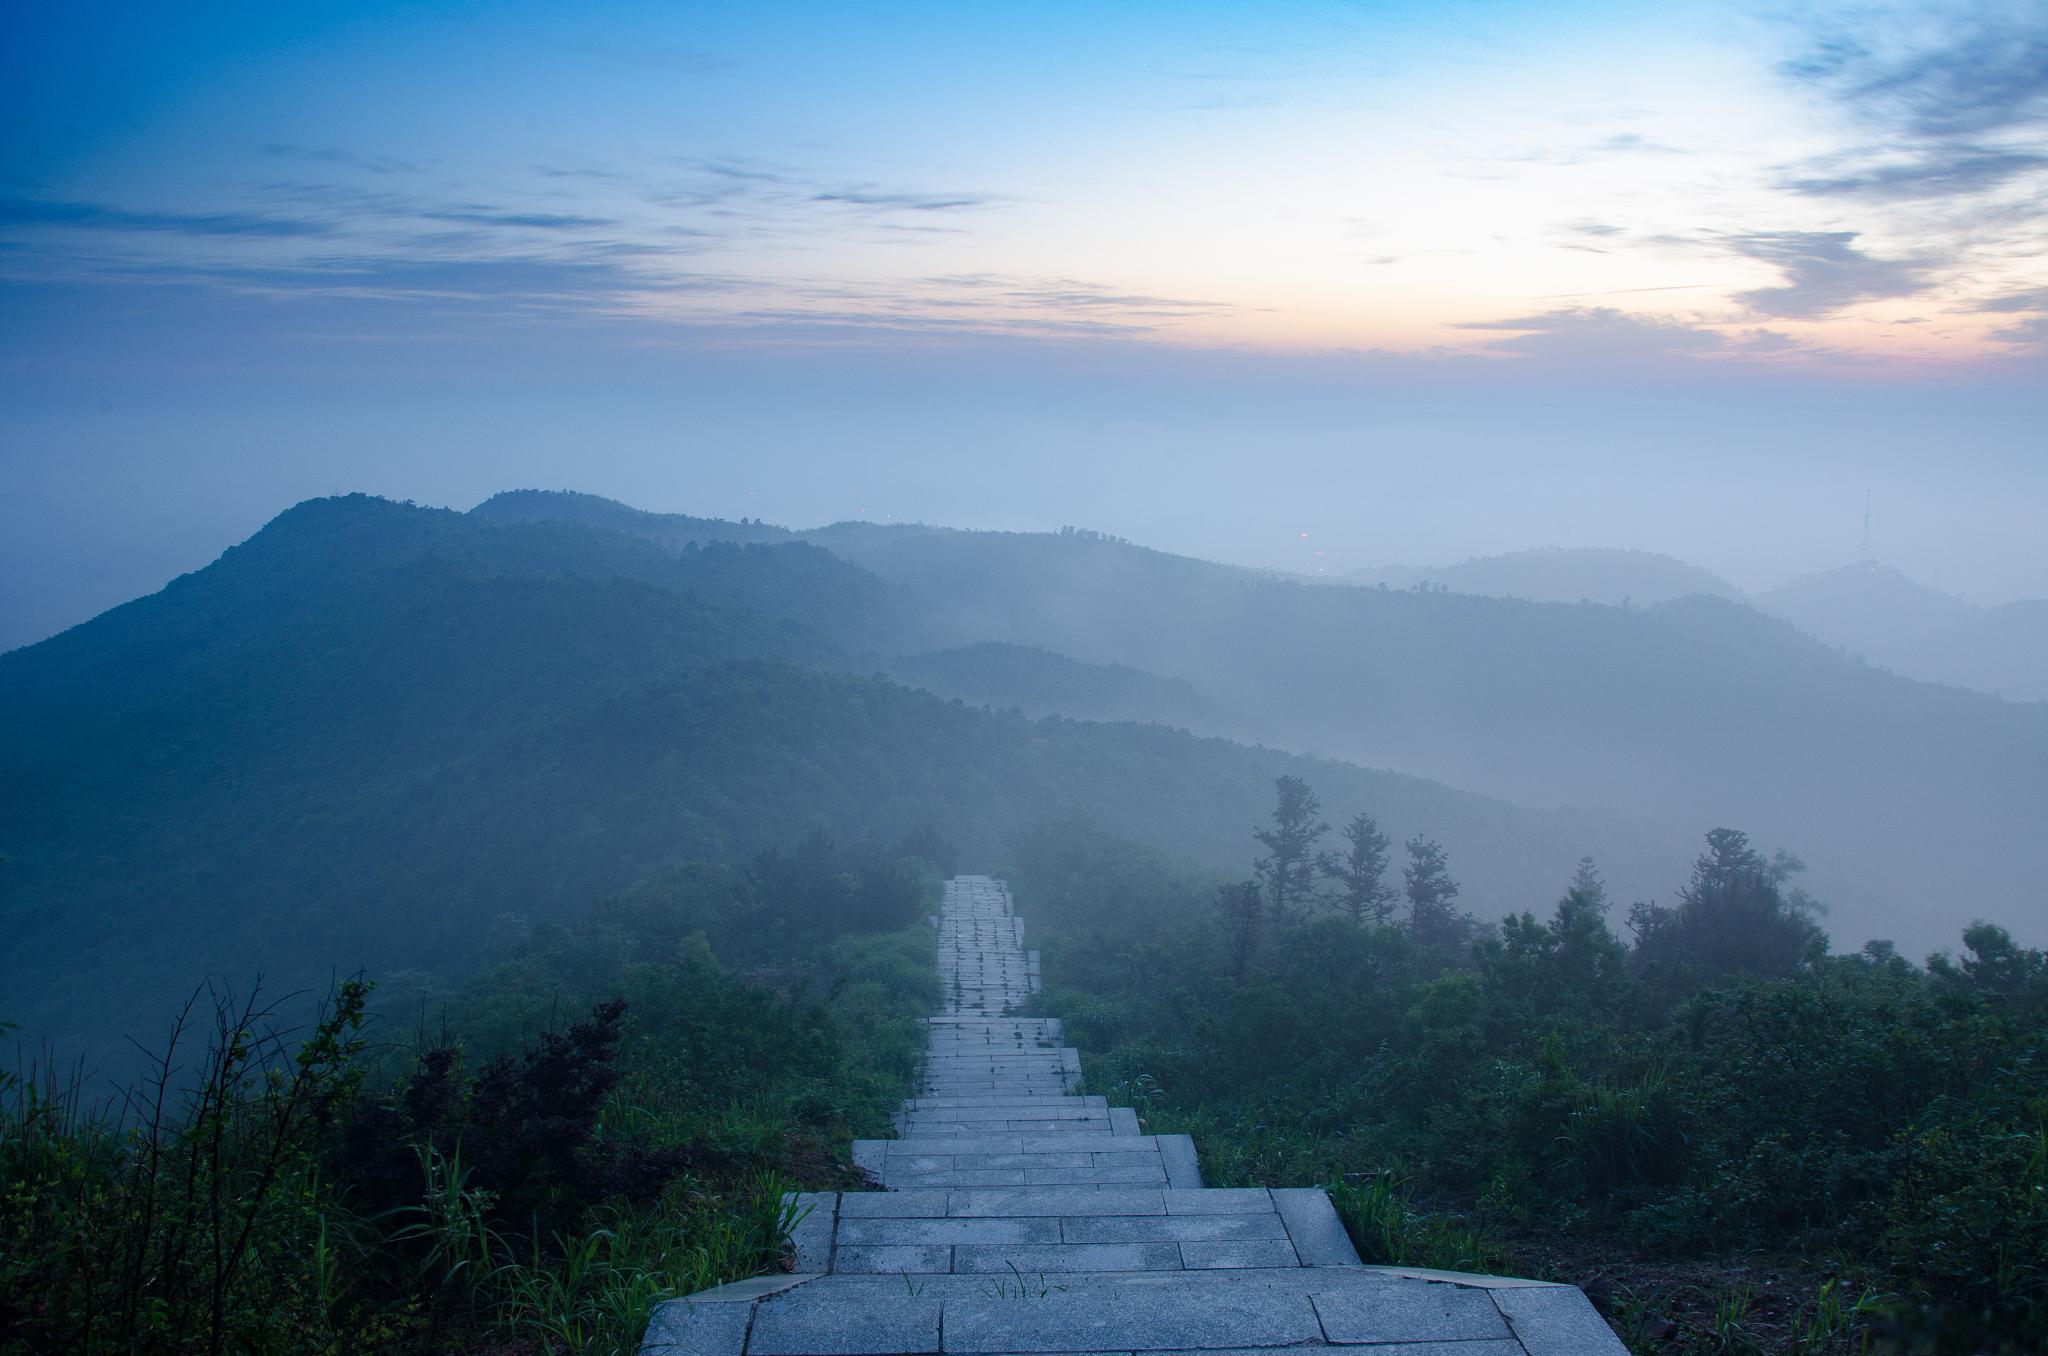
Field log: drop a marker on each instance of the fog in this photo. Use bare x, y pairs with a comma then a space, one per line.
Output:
131, 460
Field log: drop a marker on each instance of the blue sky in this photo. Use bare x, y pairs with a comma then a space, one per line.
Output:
1422, 280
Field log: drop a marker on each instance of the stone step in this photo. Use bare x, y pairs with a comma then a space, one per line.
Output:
994, 1100
1043, 1108
1030, 1160
1406, 1313
930, 1123
1020, 1217
1158, 1229
1066, 1142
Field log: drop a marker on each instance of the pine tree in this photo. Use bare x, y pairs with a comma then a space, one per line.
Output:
1432, 918
1360, 873
1288, 871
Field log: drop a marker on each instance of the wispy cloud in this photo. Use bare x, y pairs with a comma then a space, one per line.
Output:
1955, 114
2031, 305
1987, 74
1963, 173
541, 221
2032, 299
1062, 294
2029, 333
1599, 333
898, 201
1824, 273
101, 217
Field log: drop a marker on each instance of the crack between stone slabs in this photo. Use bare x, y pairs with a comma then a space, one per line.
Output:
1285, 1228
1508, 1319
1317, 1310
754, 1310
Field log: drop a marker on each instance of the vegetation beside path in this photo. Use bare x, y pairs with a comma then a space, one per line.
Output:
1733, 1139
600, 1117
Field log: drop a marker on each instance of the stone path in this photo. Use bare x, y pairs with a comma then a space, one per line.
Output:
1018, 1216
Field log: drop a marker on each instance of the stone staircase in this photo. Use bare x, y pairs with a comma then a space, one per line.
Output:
1018, 1216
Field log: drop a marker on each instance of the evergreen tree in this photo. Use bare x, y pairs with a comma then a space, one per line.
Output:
1587, 885
1433, 919
1288, 870
1571, 964
1360, 872
1733, 917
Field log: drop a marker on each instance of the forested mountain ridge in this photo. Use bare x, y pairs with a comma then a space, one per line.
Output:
672, 530
1913, 803
1038, 682
1876, 611
364, 733
1556, 574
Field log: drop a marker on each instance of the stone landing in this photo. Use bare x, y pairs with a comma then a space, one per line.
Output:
1018, 1216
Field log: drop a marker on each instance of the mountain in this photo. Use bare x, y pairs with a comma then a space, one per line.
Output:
1866, 607
1917, 806
361, 735
1999, 649
672, 530
1870, 610
1039, 683
1876, 611
1556, 574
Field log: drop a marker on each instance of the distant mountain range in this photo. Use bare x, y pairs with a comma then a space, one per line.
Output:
1877, 612
1561, 575
362, 734
1873, 611
1915, 804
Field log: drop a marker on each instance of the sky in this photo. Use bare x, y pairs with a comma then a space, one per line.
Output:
1315, 286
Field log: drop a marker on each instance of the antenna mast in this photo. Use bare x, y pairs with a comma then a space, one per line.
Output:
1865, 554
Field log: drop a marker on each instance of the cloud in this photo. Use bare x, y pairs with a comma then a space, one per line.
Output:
1963, 173
1600, 334
525, 282
1987, 73
1824, 273
1627, 143
542, 221
1760, 341
1957, 116
2031, 333
98, 216
2031, 330
2033, 299
907, 202
1062, 294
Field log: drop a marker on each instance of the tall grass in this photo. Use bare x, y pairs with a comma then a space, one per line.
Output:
597, 1290
1387, 1230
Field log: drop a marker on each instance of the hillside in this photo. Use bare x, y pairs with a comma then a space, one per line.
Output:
1877, 612
1915, 805
360, 736
1555, 574
1041, 683
671, 530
